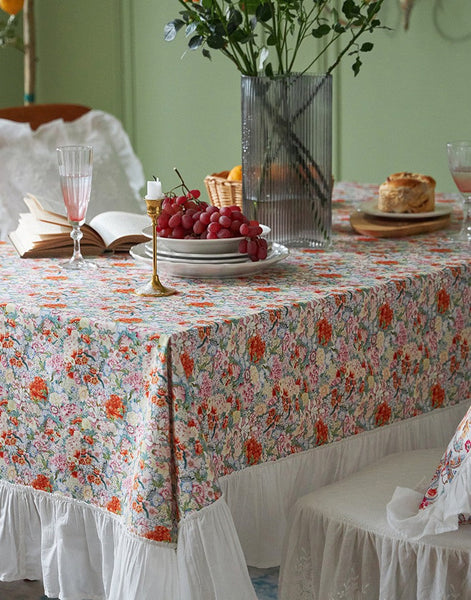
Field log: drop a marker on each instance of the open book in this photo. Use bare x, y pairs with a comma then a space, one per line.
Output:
42, 233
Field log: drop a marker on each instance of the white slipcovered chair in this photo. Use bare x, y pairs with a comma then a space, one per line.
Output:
398, 529
28, 138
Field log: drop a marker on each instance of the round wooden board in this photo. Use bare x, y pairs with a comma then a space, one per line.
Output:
379, 227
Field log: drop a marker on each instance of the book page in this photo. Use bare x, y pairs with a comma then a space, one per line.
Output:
41, 214
117, 226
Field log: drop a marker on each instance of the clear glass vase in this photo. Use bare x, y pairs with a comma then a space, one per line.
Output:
287, 156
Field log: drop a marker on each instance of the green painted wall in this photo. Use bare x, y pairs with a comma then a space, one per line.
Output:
412, 95
11, 77
411, 98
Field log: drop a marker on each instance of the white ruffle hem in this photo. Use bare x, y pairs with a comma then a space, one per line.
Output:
84, 553
261, 496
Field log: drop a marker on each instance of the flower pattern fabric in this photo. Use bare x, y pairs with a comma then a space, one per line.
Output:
138, 405
457, 456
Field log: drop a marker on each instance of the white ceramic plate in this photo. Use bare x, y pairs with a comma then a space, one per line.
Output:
371, 208
196, 246
211, 269
189, 256
214, 261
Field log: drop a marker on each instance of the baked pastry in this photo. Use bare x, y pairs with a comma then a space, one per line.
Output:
407, 193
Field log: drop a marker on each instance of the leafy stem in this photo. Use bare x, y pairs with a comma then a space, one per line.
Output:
246, 31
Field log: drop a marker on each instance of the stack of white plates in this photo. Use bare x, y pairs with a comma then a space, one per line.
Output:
205, 258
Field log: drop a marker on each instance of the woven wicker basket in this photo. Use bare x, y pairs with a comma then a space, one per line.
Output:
223, 192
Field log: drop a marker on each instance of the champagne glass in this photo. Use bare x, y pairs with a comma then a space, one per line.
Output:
459, 161
75, 172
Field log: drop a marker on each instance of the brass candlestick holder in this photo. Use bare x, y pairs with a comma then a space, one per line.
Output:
154, 287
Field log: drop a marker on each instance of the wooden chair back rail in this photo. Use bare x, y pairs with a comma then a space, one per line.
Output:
38, 114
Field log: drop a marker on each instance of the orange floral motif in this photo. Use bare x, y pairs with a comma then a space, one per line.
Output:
114, 505
256, 348
9, 438
187, 363
253, 451
322, 432
438, 395
91, 377
7, 342
42, 483
159, 534
114, 407
38, 389
198, 447
324, 331
80, 358
385, 315
57, 305
130, 320
383, 414
201, 304
443, 301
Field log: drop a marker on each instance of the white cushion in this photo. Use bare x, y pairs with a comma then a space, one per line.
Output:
340, 542
29, 165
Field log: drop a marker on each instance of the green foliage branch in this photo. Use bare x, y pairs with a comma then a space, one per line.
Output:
265, 36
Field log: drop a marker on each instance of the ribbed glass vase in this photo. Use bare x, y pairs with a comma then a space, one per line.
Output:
287, 156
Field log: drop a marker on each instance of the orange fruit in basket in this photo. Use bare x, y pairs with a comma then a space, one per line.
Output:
235, 174
12, 7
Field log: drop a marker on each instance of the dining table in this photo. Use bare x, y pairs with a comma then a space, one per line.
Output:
150, 448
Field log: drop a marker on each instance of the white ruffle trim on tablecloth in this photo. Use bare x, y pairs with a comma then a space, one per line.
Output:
84, 553
260, 497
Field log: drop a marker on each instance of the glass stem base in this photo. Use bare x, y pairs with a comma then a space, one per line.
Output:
77, 262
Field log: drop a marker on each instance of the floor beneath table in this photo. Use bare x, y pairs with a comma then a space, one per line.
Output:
265, 582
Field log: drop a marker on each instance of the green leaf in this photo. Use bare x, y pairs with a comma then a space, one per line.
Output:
350, 9
171, 29
206, 53
271, 40
356, 66
366, 47
269, 70
216, 42
320, 31
373, 8
264, 53
234, 20
195, 42
338, 28
190, 29
240, 36
264, 12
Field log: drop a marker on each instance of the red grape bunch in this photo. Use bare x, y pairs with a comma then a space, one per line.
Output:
187, 217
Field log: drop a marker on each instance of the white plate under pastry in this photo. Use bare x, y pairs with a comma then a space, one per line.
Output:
211, 269
371, 208
197, 246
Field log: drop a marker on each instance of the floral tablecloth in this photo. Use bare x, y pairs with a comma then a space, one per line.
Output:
137, 406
